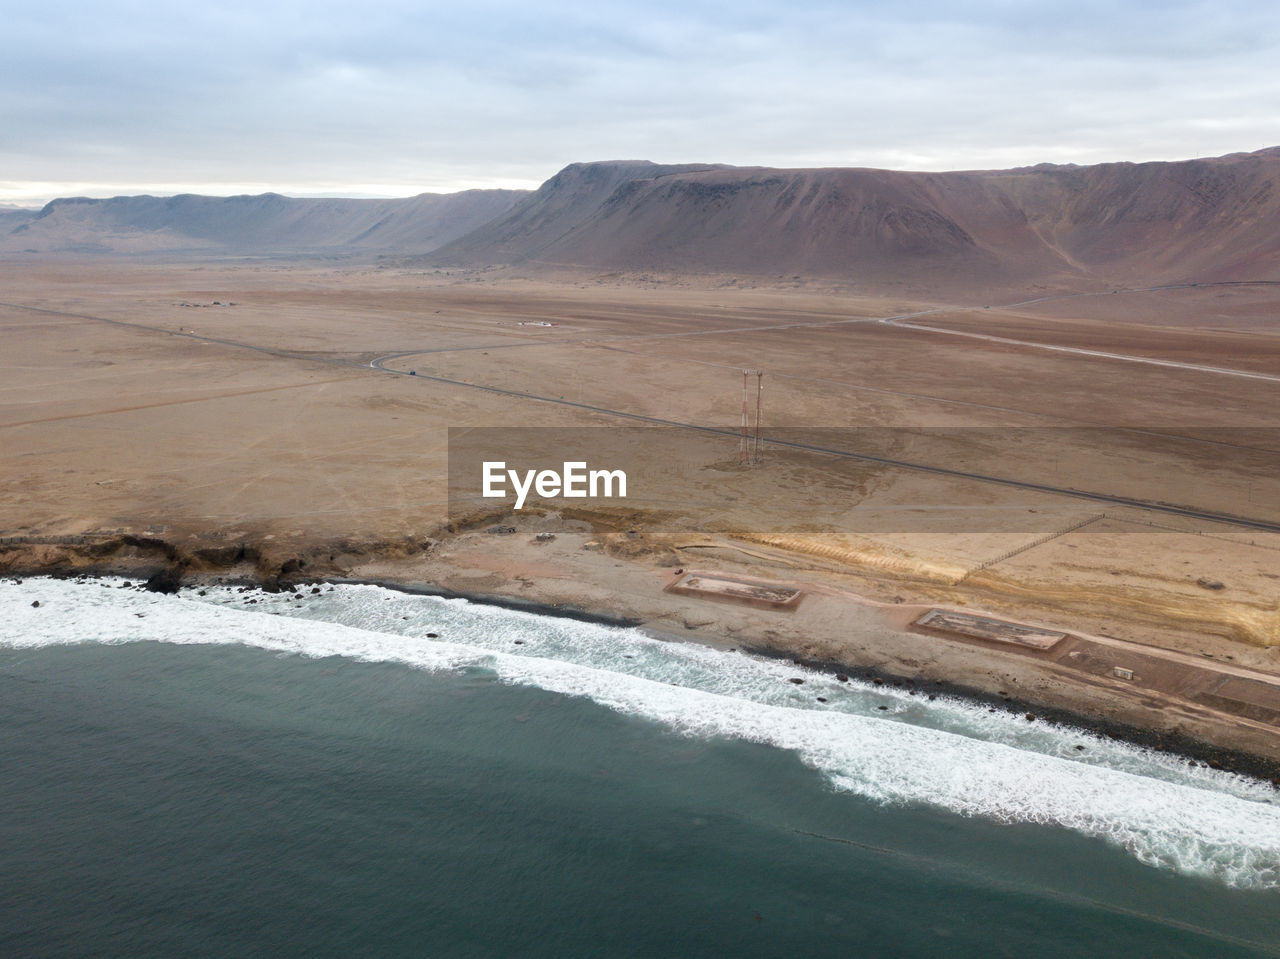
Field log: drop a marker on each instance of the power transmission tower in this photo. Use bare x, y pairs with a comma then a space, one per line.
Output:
750, 447
757, 456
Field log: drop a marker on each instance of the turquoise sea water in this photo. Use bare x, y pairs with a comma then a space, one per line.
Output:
319, 777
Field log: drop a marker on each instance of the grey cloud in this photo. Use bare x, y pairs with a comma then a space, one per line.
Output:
327, 93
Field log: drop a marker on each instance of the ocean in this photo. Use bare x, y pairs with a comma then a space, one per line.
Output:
364, 772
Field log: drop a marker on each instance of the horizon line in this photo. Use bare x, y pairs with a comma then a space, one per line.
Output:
13, 197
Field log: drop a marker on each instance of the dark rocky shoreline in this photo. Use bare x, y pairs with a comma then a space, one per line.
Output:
163, 568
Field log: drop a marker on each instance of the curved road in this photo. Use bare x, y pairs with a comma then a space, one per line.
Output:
899, 322
1103, 498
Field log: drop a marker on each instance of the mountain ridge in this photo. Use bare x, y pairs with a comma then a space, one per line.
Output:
1203, 219
1043, 223
267, 222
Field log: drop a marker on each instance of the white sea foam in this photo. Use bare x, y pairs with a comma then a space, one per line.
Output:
946, 753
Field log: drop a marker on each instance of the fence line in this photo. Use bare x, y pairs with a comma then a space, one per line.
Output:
1040, 541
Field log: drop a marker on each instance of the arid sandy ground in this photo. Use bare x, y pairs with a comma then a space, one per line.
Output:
129, 402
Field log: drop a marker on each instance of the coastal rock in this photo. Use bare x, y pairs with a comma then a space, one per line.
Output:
167, 580
697, 623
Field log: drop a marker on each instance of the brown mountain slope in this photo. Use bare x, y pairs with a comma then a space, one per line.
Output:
1116, 223
1214, 216
266, 223
1195, 220
566, 201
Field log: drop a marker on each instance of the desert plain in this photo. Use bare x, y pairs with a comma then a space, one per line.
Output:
1098, 462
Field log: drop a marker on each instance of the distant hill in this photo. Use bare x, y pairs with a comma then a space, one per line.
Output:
14, 216
1203, 219
1197, 220
254, 224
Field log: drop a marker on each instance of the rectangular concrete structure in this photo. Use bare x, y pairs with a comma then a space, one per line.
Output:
994, 630
750, 594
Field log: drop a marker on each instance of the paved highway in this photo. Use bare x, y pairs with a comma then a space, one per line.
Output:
1104, 498
901, 323
379, 364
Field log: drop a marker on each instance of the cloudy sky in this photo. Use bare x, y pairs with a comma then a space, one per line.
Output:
392, 98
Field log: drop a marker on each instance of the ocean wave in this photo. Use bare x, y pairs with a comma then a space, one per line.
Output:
880, 743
